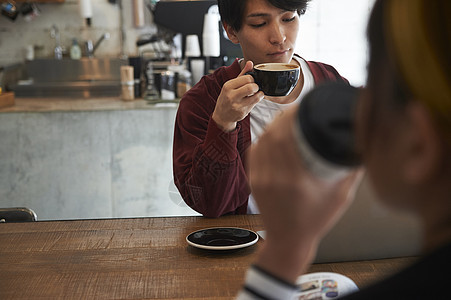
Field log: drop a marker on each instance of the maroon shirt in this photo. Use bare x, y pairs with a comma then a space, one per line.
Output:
209, 164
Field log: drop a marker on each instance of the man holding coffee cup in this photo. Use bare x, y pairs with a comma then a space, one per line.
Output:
226, 111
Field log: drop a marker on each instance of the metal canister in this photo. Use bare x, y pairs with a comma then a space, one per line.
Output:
167, 84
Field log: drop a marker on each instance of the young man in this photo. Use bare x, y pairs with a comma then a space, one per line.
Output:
222, 114
404, 136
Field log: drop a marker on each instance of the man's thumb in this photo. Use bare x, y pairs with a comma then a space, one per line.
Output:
247, 67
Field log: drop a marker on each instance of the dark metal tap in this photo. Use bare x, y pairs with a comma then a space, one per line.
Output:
91, 48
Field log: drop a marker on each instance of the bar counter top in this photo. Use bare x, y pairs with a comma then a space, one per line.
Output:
82, 104
140, 258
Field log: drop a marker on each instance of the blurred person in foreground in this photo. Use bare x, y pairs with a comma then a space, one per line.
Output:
219, 118
403, 132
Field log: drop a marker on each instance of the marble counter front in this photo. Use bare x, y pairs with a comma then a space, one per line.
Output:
96, 158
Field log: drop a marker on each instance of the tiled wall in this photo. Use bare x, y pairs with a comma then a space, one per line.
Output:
15, 36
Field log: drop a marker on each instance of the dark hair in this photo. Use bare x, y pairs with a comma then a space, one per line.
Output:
394, 94
379, 54
232, 11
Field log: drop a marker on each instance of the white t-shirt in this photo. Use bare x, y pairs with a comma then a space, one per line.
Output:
265, 111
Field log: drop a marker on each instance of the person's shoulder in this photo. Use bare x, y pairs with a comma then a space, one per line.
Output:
225, 73
203, 94
210, 85
422, 280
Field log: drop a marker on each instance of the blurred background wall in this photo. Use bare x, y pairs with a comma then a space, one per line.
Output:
331, 31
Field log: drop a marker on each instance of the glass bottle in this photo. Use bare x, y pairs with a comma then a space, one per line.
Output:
75, 50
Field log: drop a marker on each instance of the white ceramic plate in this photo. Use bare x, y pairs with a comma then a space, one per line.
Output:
222, 238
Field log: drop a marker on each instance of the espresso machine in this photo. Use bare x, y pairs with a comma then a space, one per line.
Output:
177, 21
187, 18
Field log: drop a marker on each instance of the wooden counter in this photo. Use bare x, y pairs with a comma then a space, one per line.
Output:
136, 259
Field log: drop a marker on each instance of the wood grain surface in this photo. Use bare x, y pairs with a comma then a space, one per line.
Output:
136, 259
6, 99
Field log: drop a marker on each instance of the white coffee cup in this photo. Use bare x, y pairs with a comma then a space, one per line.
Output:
197, 69
210, 36
192, 48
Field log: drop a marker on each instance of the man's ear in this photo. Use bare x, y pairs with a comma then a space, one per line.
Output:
231, 33
425, 146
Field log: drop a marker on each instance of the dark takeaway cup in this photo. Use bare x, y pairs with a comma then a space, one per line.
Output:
276, 79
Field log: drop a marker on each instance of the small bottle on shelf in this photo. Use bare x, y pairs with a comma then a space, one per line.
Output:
75, 50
